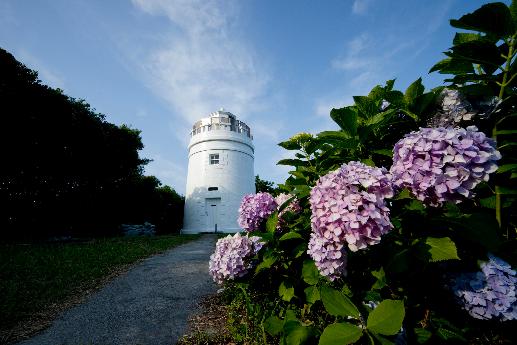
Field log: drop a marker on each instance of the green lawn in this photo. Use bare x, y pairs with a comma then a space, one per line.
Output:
32, 277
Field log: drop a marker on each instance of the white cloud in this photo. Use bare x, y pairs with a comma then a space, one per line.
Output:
355, 56
361, 6
202, 64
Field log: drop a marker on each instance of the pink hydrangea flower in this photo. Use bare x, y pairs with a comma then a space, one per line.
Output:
443, 164
254, 209
348, 208
232, 257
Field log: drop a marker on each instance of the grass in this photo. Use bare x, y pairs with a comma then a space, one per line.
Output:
37, 277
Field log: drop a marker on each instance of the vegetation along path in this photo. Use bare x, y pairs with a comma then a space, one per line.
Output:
147, 305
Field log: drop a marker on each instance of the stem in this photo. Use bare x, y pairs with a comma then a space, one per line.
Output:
504, 83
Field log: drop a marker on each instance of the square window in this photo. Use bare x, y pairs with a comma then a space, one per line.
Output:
214, 158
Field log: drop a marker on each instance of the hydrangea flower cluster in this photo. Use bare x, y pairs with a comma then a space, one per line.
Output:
348, 207
454, 108
443, 164
254, 209
232, 255
294, 207
490, 293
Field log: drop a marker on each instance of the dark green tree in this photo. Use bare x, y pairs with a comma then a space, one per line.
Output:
264, 185
66, 169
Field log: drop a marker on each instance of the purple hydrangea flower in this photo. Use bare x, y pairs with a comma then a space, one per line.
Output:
348, 207
490, 293
294, 207
329, 256
254, 209
443, 164
232, 257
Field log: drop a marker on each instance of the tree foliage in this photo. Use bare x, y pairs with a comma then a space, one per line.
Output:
66, 169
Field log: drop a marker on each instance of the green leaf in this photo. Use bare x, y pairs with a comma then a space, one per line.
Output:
380, 117
482, 52
301, 191
272, 222
494, 18
387, 317
506, 167
447, 334
286, 291
273, 325
381, 279
299, 250
312, 294
293, 162
422, 335
267, 261
346, 118
452, 66
290, 235
506, 191
513, 12
366, 106
413, 91
403, 194
441, 248
462, 37
340, 333
384, 152
310, 273
296, 334
290, 145
382, 340
488, 202
507, 131
337, 304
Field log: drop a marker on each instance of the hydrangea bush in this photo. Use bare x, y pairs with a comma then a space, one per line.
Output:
391, 206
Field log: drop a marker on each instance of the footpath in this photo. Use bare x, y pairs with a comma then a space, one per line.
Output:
149, 304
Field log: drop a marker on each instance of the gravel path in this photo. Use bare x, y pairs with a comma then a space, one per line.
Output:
147, 305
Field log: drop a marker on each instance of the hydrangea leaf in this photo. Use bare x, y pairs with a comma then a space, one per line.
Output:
494, 18
290, 235
422, 335
346, 118
286, 291
340, 333
381, 279
273, 325
387, 317
299, 250
337, 304
310, 273
441, 248
413, 91
269, 259
312, 294
272, 222
290, 145
295, 333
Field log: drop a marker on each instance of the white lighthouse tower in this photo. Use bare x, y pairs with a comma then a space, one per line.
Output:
220, 173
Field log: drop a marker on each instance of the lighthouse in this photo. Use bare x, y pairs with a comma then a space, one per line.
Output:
220, 173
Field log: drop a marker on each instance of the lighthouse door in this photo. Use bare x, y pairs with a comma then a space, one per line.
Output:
212, 209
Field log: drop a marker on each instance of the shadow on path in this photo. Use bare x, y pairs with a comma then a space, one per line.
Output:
147, 305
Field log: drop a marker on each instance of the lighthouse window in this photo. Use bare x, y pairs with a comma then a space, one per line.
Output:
212, 188
214, 158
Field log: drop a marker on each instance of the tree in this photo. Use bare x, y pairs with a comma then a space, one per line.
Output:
66, 169
264, 185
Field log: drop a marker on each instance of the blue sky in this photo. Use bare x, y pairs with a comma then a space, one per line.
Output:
159, 65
